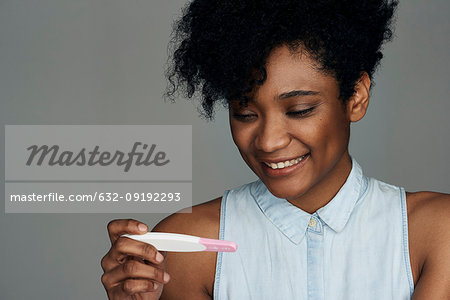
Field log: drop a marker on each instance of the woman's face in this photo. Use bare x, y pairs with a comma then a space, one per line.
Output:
294, 132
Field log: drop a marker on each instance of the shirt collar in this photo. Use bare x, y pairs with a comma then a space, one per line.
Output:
293, 222
337, 212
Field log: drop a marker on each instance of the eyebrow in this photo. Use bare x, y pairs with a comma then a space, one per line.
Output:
297, 93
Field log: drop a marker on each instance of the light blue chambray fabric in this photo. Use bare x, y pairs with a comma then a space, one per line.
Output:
355, 247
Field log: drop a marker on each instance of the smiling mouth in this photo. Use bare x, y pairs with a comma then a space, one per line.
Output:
285, 164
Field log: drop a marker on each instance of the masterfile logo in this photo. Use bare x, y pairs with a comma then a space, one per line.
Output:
98, 152
98, 168
54, 156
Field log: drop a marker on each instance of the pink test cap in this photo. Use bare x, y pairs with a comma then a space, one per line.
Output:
218, 245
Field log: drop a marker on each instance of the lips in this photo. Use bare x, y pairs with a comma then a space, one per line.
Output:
281, 164
278, 167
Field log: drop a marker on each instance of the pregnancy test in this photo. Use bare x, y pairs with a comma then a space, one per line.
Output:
175, 242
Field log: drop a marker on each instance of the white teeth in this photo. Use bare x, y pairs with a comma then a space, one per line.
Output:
285, 164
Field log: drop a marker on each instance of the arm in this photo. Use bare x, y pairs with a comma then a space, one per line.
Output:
136, 270
429, 229
192, 273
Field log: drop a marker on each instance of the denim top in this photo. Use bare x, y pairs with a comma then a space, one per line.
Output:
355, 247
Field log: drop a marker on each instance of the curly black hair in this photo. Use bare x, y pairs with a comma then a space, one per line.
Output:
219, 47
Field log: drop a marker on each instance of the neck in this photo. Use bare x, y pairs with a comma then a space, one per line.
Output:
326, 188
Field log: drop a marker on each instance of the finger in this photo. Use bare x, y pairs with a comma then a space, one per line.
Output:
124, 290
134, 286
122, 226
116, 256
107, 263
113, 259
133, 269
125, 247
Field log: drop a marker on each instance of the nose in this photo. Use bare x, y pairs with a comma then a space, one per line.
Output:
272, 135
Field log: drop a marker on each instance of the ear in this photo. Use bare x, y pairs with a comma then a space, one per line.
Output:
358, 103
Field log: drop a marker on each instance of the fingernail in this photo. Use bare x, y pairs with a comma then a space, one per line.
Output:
155, 286
159, 257
166, 277
142, 227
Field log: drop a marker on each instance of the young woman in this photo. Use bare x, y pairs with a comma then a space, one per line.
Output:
294, 75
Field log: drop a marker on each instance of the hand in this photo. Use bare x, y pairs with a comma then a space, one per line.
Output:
132, 269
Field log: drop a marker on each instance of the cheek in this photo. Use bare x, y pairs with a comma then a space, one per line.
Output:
336, 133
324, 133
242, 140
311, 132
240, 136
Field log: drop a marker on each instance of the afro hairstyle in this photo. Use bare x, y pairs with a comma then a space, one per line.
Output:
219, 47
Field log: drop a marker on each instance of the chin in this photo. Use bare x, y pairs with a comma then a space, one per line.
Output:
284, 190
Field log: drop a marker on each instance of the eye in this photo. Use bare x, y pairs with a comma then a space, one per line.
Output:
300, 113
244, 117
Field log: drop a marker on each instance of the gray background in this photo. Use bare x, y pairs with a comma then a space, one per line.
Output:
101, 62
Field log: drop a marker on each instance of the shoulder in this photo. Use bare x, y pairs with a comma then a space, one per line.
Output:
430, 212
429, 240
192, 273
198, 220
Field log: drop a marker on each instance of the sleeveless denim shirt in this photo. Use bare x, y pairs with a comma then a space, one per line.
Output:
355, 247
